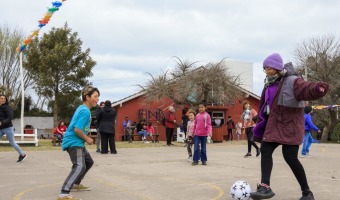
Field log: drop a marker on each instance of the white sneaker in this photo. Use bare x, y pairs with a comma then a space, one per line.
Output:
303, 156
146, 142
308, 155
190, 158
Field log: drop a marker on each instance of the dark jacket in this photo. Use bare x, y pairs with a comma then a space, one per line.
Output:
96, 121
6, 116
106, 120
285, 123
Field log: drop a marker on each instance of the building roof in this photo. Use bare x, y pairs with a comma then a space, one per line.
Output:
141, 93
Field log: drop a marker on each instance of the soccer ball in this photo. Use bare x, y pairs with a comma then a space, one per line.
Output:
240, 190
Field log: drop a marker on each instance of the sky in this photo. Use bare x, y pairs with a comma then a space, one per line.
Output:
130, 38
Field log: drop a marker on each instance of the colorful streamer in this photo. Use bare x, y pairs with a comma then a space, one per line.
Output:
50, 11
320, 107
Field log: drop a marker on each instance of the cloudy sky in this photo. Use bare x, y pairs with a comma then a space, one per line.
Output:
128, 38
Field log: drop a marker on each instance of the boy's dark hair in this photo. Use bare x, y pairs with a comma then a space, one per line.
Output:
308, 109
88, 91
102, 103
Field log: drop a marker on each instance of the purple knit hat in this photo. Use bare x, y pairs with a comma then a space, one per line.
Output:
274, 61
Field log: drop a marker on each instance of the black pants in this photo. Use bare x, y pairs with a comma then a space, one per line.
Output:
230, 134
169, 133
81, 163
249, 132
290, 153
108, 139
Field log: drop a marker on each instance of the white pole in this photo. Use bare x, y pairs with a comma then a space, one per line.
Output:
22, 97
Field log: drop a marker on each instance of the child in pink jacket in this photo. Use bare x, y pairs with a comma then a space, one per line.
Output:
202, 129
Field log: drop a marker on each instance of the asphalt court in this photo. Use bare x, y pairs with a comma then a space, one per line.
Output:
165, 173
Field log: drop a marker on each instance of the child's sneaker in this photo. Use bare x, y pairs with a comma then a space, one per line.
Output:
80, 187
190, 158
22, 158
307, 196
67, 197
263, 191
204, 163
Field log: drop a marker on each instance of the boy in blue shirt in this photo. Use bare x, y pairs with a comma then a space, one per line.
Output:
74, 143
307, 138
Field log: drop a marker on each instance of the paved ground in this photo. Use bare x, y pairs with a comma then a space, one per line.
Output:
164, 173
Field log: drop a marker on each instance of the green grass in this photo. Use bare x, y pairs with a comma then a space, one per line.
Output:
46, 145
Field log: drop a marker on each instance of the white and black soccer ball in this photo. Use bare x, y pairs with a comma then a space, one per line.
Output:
240, 190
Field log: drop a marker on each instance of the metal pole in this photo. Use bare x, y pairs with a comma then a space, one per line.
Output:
22, 96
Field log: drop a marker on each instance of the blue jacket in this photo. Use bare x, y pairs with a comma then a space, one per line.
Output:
309, 124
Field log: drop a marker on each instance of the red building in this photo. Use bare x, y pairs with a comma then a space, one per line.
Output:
135, 108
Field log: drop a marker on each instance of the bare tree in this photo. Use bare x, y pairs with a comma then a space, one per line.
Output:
10, 66
320, 57
188, 84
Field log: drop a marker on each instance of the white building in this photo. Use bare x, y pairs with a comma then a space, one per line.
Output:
245, 70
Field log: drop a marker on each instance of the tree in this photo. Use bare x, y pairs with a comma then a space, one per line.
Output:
189, 84
58, 65
10, 66
320, 56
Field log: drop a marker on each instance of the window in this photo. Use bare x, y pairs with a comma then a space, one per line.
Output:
217, 118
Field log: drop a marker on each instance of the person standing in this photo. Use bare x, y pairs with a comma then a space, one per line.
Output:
101, 105
189, 139
125, 123
231, 126
74, 143
307, 138
202, 129
170, 124
106, 122
281, 121
248, 115
185, 120
6, 126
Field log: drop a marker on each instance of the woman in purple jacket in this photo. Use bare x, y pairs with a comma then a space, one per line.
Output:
281, 121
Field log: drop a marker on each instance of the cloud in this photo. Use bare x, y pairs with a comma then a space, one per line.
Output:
128, 38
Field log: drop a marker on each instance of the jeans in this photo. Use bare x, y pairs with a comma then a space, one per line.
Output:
143, 132
307, 142
9, 132
200, 141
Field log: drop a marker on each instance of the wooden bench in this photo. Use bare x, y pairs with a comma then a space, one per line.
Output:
22, 138
131, 130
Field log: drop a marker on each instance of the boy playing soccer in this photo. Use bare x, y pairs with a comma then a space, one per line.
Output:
74, 143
